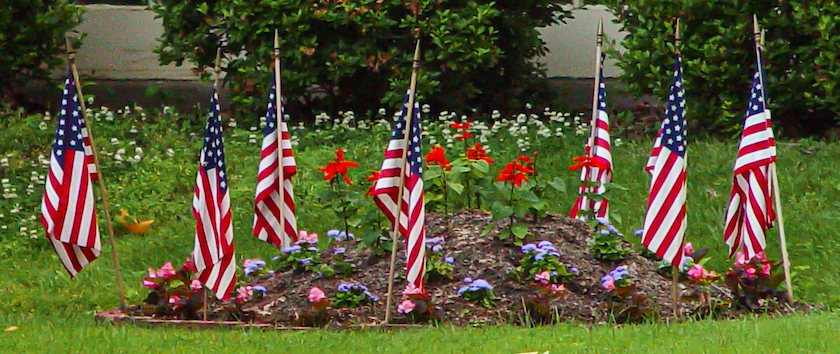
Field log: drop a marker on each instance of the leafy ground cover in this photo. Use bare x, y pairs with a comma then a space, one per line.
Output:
149, 165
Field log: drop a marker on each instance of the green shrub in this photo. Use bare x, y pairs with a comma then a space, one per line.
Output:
801, 63
356, 54
32, 39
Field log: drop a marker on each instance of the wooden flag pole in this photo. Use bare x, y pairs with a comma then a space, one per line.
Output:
279, 130
594, 125
396, 229
103, 194
675, 268
759, 44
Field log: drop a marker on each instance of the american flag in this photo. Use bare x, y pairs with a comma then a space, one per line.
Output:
214, 256
412, 206
665, 221
750, 212
67, 211
270, 197
602, 154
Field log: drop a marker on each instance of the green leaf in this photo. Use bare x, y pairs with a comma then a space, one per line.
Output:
519, 230
456, 187
558, 184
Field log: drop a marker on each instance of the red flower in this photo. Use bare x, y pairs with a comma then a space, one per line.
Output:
478, 153
338, 167
587, 161
374, 176
515, 173
463, 128
438, 157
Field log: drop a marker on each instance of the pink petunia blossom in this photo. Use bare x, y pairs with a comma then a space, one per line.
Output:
305, 237
740, 258
761, 257
174, 299
190, 265
406, 306
166, 271
750, 273
196, 285
696, 272
766, 269
316, 294
688, 249
543, 277
559, 288
410, 289
245, 293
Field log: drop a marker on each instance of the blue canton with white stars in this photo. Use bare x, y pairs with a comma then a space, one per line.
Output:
602, 92
756, 103
271, 114
68, 134
414, 156
673, 127
214, 152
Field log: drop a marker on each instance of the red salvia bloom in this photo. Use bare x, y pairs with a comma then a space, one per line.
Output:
338, 167
478, 153
587, 161
463, 128
514, 173
374, 176
438, 157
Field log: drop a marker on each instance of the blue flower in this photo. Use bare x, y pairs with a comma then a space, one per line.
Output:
553, 272
342, 235
449, 260
543, 244
548, 248
275, 258
604, 232
638, 232
350, 236
529, 248
345, 287
259, 288
467, 280
539, 256
339, 250
333, 233
555, 254
291, 249
481, 284
313, 249
306, 261
603, 221
614, 230
574, 270
437, 248
373, 298
434, 240
463, 289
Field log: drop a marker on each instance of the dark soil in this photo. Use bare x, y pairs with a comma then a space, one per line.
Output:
485, 257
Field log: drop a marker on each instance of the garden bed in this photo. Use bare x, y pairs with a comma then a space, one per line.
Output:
517, 299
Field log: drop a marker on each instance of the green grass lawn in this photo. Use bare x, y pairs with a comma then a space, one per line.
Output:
47, 307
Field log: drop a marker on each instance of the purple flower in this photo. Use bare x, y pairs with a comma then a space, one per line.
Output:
339, 250
603, 221
306, 261
275, 258
449, 260
463, 289
333, 233
638, 232
467, 280
345, 287
291, 249
259, 288
574, 270
313, 249
434, 240
555, 254
604, 232
539, 256
529, 248
437, 248
544, 244
481, 284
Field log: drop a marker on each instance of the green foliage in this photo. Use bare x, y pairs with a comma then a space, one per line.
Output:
541, 258
753, 283
348, 55
32, 38
352, 296
607, 243
719, 58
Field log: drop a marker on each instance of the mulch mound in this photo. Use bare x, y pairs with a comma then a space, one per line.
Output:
286, 305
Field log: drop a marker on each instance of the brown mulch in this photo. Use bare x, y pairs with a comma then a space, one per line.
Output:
286, 304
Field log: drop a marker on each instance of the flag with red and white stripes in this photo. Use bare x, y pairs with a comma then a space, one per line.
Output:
750, 211
595, 173
272, 201
68, 211
214, 254
412, 206
665, 221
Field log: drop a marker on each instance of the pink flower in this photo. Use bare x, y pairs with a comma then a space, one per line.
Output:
609, 285
190, 264
166, 271
410, 289
174, 299
697, 272
316, 294
543, 277
406, 306
245, 293
761, 257
740, 258
688, 249
750, 273
196, 285
305, 237
560, 288
766, 269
